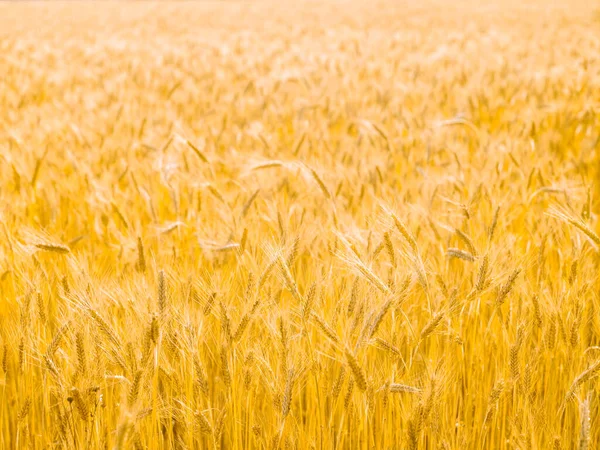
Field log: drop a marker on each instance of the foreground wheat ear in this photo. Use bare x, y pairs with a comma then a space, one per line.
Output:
266, 225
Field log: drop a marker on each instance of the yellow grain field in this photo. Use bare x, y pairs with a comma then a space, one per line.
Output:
300, 225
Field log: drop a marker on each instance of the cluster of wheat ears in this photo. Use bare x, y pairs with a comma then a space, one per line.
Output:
254, 225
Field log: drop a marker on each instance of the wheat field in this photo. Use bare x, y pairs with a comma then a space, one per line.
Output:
300, 225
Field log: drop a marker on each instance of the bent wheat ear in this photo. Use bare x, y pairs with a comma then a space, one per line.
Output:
431, 325
134, 390
80, 404
325, 328
24, 411
405, 233
390, 248
320, 183
394, 387
364, 271
467, 241
379, 318
309, 299
357, 371
577, 223
460, 254
586, 375
53, 247
482, 274
244, 321
203, 423
507, 287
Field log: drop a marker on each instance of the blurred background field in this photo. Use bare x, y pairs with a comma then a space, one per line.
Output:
300, 225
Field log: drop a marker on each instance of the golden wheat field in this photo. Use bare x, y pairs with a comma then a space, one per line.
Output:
300, 225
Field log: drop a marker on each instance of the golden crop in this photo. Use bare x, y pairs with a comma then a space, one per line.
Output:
311, 225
